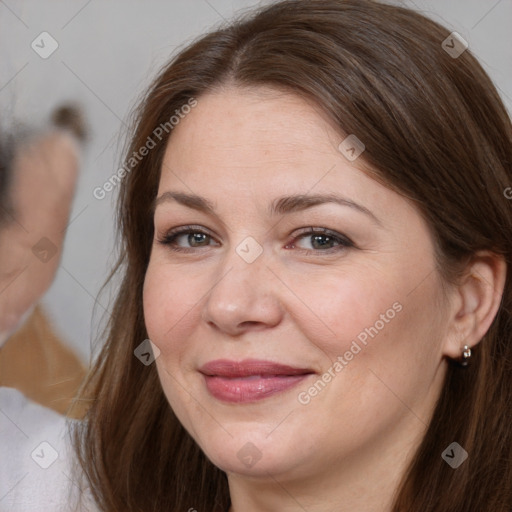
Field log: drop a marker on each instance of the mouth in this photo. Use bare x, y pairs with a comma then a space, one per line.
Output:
250, 380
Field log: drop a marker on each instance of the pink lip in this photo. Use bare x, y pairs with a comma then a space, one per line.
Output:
249, 380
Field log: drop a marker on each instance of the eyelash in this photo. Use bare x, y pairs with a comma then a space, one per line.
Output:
343, 241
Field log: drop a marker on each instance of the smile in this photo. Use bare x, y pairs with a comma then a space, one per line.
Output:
250, 380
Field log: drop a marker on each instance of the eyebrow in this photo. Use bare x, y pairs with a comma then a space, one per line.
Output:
279, 206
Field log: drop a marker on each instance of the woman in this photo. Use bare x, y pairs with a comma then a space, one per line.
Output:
253, 301
316, 242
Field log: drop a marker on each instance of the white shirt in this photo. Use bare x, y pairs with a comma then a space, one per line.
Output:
38, 466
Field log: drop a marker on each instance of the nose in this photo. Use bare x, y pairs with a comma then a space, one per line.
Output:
245, 297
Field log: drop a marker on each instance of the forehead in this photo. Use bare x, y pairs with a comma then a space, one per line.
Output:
253, 133
242, 146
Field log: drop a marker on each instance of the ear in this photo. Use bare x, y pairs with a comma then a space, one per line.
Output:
476, 301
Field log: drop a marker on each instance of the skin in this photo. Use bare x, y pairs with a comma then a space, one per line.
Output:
349, 446
45, 172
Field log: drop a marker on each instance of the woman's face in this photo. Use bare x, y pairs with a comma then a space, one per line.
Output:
355, 311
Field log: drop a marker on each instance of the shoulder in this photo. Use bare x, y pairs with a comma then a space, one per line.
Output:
38, 469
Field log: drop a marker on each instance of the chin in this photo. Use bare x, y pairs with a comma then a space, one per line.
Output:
252, 452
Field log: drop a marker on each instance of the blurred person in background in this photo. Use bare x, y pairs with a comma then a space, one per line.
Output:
38, 175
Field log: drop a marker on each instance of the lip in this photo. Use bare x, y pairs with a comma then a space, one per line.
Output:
250, 380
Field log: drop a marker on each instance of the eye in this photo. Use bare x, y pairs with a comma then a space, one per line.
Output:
323, 240
192, 235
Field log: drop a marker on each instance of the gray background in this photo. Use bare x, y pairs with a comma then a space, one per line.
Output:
108, 52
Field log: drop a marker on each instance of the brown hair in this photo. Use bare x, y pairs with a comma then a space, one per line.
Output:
435, 130
5, 157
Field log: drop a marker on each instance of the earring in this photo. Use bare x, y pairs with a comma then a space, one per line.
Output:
466, 356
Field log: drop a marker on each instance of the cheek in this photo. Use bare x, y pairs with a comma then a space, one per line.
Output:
153, 299
337, 308
373, 321
172, 299
169, 297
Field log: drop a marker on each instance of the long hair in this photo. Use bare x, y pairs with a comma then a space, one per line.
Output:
5, 206
435, 130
